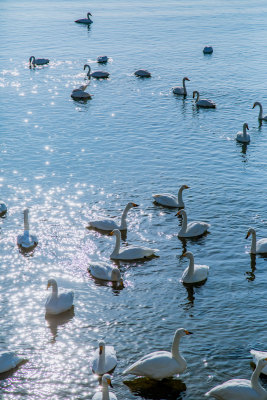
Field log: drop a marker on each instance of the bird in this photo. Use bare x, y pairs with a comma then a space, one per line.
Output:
243, 137
38, 61
96, 74
108, 224
181, 89
57, 303
3, 208
257, 247
105, 394
8, 361
161, 364
105, 271
208, 50
27, 241
258, 355
102, 59
169, 200
241, 389
193, 229
130, 252
143, 73
260, 117
80, 94
204, 103
86, 21
104, 359
194, 273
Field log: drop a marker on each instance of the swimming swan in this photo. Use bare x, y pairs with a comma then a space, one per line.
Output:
3, 208
258, 355
169, 200
106, 272
193, 229
260, 117
8, 361
105, 394
27, 241
243, 137
257, 247
102, 59
86, 21
80, 94
108, 224
143, 73
241, 389
204, 103
37, 61
208, 50
194, 273
181, 90
130, 252
104, 359
161, 364
57, 303
96, 74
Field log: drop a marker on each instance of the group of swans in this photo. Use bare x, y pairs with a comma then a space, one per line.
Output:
244, 137
181, 90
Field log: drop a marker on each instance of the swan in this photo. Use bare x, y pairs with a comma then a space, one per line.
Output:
104, 359
243, 137
161, 364
80, 94
260, 117
38, 61
179, 89
193, 229
241, 389
86, 21
105, 271
257, 247
169, 200
143, 73
27, 241
258, 355
130, 252
108, 224
3, 208
205, 103
102, 59
96, 74
105, 394
8, 361
208, 50
55, 303
194, 273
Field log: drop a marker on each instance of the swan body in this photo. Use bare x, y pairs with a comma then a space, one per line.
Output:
260, 117
193, 229
204, 103
143, 73
161, 364
38, 61
57, 303
241, 389
86, 21
104, 359
106, 272
8, 361
130, 252
257, 356
105, 394
102, 59
194, 273
181, 90
27, 241
257, 247
208, 50
243, 137
96, 74
169, 200
108, 224
80, 94
3, 208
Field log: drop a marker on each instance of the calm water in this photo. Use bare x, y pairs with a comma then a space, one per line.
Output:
68, 162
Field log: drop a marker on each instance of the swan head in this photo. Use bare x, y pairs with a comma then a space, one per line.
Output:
262, 362
26, 211
51, 282
245, 125
182, 332
250, 231
106, 380
181, 212
186, 79
256, 104
188, 254
116, 276
89, 14
115, 232
101, 345
185, 187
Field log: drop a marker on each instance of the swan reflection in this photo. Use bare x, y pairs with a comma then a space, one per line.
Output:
54, 321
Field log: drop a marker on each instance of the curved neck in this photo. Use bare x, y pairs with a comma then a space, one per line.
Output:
255, 384
184, 221
32, 60
54, 289
197, 94
117, 244
101, 360
123, 217
88, 15
26, 221
105, 392
191, 264
180, 196
253, 243
175, 349
89, 69
261, 110
185, 92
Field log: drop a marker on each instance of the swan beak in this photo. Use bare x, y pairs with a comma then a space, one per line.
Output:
184, 255
186, 187
109, 382
100, 349
188, 333
253, 105
178, 213
48, 286
111, 234
135, 205
248, 234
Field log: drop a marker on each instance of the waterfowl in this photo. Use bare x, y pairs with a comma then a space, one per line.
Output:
194, 273
106, 272
241, 389
143, 73
108, 224
102, 59
86, 21
80, 94
193, 229
257, 247
243, 137
205, 103
260, 117
96, 74
208, 50
169, 200
38, 61
3, 208
27, 241
104, 359
105, 394
181, 89
8, 361
57, 303
161, 364
258, 355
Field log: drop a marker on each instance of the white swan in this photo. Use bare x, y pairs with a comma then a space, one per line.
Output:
181, 90
260, 117
38, 61
106, 272
193, 229
208, 50
8, 361
257, 356
96, 74
27, 241
102, 59
86, 21
241, 389
80, 94
243, 137
3, 208
130, 252
194, 273
257, 247
108, 224
57, 303
104, 359
169, 200
105, 394
161, 364
143, 73
205, 103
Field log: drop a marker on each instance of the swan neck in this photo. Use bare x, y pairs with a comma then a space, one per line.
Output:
101, 360
184, 222
244, 130
185, 92
197, 96
175, 349
26, 221
255, 384
105, 393
261, 110
117, 245
123, 217
253, 243
180, 196
191, 264
54, 289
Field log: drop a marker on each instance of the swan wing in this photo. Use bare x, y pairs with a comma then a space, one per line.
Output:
166, 199
135, 253
110, 360
206, 103
101, 270
8, 360
261, 246
200, 274
197, 228
235, 389
105, 224
60, 304
178, 90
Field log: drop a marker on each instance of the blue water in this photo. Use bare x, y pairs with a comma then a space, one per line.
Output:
70, 161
